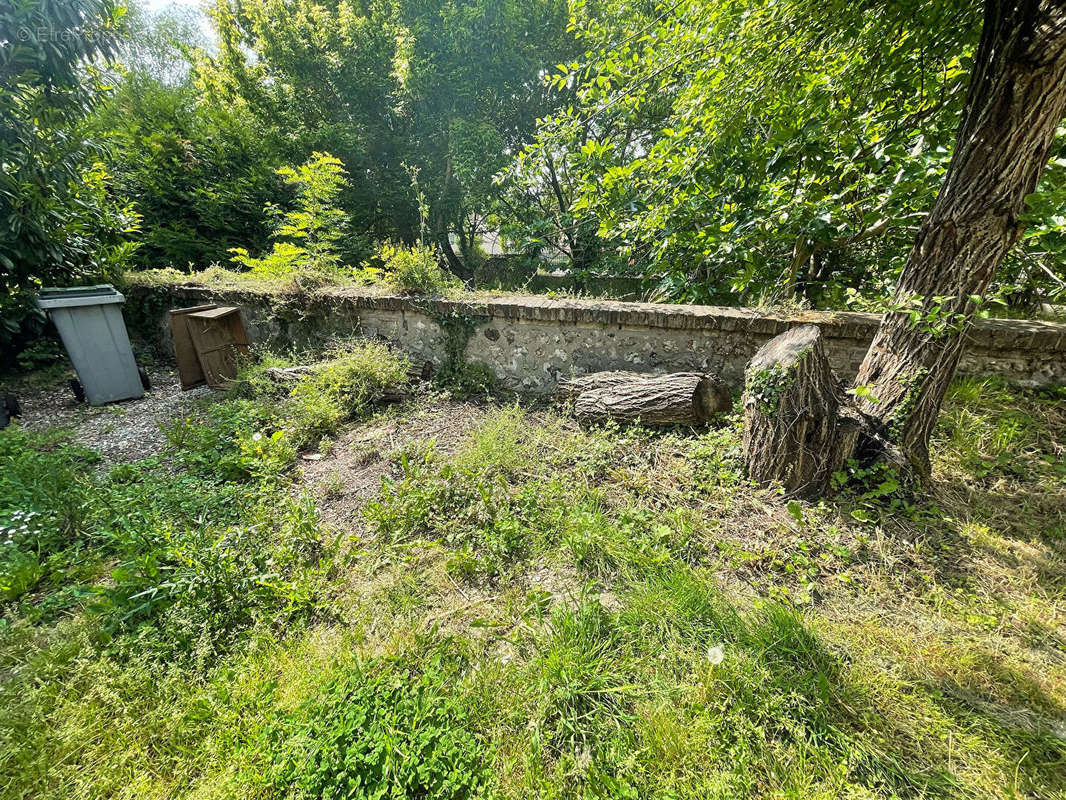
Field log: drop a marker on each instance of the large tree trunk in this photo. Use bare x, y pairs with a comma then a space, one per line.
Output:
681, 398
455, 264
1016, 99
799, 428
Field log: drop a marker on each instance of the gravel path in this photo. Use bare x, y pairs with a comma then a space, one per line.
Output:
124, 431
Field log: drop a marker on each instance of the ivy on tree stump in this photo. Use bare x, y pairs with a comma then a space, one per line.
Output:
799, 425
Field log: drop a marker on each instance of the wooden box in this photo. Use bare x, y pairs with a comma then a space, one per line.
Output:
220, 340
190, 373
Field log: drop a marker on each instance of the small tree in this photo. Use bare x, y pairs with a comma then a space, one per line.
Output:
307, 238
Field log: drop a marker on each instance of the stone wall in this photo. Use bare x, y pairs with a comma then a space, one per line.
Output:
532, 342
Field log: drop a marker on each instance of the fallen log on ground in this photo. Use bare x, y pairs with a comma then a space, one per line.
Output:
573, 388
286, 374
680, 398
799, 425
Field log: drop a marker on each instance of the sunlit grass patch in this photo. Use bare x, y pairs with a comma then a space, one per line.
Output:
991, 431
545, 610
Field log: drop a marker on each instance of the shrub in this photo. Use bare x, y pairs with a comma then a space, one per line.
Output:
415, 270
344, 387
307, 238
62, 222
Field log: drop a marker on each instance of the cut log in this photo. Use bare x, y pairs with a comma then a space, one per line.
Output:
286, 374
574, 387
681, 398
799, 425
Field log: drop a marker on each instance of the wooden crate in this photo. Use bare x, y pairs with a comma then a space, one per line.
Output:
190, 373
220, 340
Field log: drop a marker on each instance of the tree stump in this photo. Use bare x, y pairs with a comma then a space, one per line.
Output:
799, 425
681, 398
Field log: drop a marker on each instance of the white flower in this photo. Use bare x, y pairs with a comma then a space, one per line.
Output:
716, 655
256, 437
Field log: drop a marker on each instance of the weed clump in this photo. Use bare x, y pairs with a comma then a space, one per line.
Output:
343, 386
379, 730
414, 270
171, 566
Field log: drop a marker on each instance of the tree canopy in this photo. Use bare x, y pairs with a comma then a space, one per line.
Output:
739, 152
753, 150
441, 89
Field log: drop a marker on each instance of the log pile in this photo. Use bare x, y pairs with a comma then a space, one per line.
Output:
680, 398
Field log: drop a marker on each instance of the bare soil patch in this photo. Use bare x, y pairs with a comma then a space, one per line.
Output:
343, 479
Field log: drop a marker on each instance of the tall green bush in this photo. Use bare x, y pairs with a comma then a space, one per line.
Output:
415, 269
198, 174
59, 222
449, 88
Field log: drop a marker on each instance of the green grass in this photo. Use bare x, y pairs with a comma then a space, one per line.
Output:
545, 611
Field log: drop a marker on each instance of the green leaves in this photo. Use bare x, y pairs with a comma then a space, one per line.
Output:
380, 732
58, 221
307, 238
707, 140
448, 89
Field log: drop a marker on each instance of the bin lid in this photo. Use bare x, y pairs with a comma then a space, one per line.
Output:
99, 295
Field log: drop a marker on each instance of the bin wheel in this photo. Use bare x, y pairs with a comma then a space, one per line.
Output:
78, 389
9, 409
145, 382
11, 405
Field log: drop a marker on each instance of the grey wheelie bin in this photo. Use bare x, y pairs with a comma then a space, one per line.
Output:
89, 321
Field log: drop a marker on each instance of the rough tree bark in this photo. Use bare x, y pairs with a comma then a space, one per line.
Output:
1016, 99
681, 398
799, 426
573, 388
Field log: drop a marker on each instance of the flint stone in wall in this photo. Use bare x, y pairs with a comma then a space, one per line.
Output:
530, 343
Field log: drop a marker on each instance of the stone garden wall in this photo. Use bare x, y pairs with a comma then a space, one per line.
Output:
532, 342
